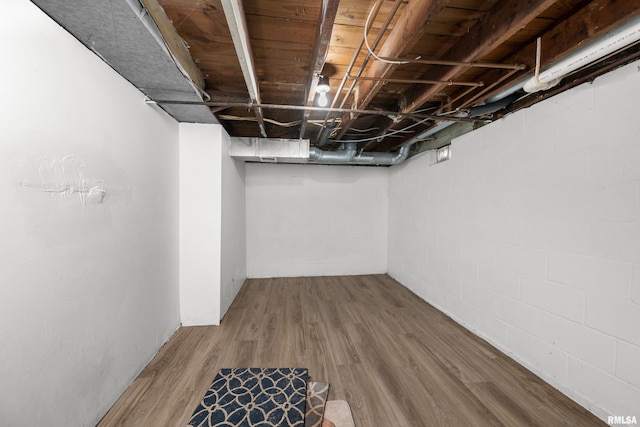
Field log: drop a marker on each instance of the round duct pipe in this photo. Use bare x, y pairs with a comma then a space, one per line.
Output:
348, 156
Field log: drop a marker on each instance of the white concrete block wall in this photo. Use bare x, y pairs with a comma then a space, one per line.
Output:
311, 220
537, 216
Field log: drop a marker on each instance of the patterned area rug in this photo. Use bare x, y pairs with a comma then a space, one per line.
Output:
316, 400
254, 397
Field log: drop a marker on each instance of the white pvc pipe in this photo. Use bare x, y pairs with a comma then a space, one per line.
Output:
614, 41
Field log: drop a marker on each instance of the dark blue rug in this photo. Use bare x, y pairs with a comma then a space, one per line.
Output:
254, 397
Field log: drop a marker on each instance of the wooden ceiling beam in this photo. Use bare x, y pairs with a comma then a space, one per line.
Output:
592, 21
234, 13
326, 21
406, 32
499, 24
588, 23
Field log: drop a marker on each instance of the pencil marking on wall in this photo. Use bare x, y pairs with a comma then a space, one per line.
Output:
66, 180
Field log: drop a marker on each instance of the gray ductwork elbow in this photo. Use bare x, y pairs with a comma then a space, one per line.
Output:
340, 157
348, 156
383, 159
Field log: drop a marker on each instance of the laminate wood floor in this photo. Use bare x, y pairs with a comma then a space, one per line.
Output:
398, 361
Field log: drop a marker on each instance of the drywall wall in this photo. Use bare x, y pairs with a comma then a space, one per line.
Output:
200, 222
233, 256
311, 220
212, 224
88, 219
530, 237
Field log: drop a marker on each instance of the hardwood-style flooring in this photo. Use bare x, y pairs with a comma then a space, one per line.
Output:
397, 361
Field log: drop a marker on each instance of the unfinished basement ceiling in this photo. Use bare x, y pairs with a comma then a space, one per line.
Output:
429, 61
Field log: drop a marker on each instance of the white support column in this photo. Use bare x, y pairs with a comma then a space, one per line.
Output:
200, 223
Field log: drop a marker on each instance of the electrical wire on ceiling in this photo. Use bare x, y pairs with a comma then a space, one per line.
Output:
397, 131
275, 122
366, 42
392, 136
364, 130
323, 134
320, 123
253, 119
396, 120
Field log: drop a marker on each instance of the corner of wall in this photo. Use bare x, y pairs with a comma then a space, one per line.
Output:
233, 227
200, 223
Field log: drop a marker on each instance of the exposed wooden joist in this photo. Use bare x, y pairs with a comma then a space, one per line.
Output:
593, 20
405, 34
236, 20
498, 25
320, 48
587, 24
347, 119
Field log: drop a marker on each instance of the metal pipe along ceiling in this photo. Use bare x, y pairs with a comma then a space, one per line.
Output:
349, 156
323, 136
270, 150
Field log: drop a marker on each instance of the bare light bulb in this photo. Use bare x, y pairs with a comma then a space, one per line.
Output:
322, 99
322, 89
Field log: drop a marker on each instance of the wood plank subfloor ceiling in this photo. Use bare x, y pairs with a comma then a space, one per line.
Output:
398, 361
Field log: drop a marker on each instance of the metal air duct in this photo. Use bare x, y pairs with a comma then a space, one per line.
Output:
348, 156
269, 150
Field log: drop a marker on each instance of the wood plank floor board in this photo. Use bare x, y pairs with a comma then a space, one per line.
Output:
504, 406
398, 361
450, 394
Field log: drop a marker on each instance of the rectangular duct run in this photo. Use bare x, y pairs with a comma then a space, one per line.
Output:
270, 150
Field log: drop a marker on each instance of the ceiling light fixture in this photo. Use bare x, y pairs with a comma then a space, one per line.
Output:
322, 89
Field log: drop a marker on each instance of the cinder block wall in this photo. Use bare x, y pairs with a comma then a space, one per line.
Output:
530, 237
315, 220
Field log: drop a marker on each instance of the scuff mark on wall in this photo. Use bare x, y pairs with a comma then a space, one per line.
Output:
66, 180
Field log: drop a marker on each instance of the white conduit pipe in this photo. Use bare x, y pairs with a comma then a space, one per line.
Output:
616, 40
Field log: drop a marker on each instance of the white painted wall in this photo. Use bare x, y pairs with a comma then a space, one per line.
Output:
200, 223
312, 220
530, 237
212, 224
88, 286
233, 256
